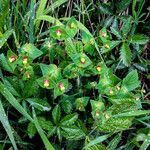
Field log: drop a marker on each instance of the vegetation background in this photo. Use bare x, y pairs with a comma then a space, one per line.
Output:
74, 74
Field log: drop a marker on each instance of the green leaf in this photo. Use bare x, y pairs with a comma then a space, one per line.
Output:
116, 32
72, 27
6, 125
72, 132
122, 5
126, 26
5, 64
5, 36
133, 113
11, 99
31, 50
114, 142
39, 104
58, 32
81, 60
69, 120
125, 54
61, 87
139, 39
56, 114
31, 130
97, 140
45, 140
81, 103
131, 81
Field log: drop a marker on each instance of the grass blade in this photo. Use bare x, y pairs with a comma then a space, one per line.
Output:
97, 140
41, 133
6, 125
5, 92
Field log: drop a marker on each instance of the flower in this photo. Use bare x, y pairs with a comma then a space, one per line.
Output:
111, 91
97, 114
72, 25
82, 60
58, 32
46, 83
106, 46
98, 68
61, 87
12, 59
25, 60
103, 34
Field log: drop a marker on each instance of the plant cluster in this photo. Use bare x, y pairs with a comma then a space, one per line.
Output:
67, 87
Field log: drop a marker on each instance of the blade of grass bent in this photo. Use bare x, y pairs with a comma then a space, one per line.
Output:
6, 125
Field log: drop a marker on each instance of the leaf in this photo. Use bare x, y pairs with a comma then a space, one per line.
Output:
145, 144
31, 130
114, 142
11, 99
58, 32
81, 60
45, 140
41, 105
125, 54
81, 103
131, 81
4, 37
61, 87
69, 120
6, 125
133, 113
56, 114
54, 5
122, 5
72, 132
139, 39
31, 50
97, 140
126, 26
105, 9
116, 32
40, 12
4, 63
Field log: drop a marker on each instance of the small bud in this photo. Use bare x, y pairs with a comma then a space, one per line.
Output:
58, 32
61, 87
27, 75
136, 98
103, 34
106, 46
107, 116
97, 114
82, 60
118, 87
98, 68
143, 91
111, 91
12, 59
72, 25
25, 60
46, 83
49, 45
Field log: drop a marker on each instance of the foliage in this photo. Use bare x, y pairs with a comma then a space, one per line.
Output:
77, 82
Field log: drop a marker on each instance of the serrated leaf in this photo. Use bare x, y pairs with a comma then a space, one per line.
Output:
56, 113
81, 103
116, 32
131, 81
139, 39
72, 132
125, 54
31, 130
122, 5
69, 120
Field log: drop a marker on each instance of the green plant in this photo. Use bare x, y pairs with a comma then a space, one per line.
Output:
60, 82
